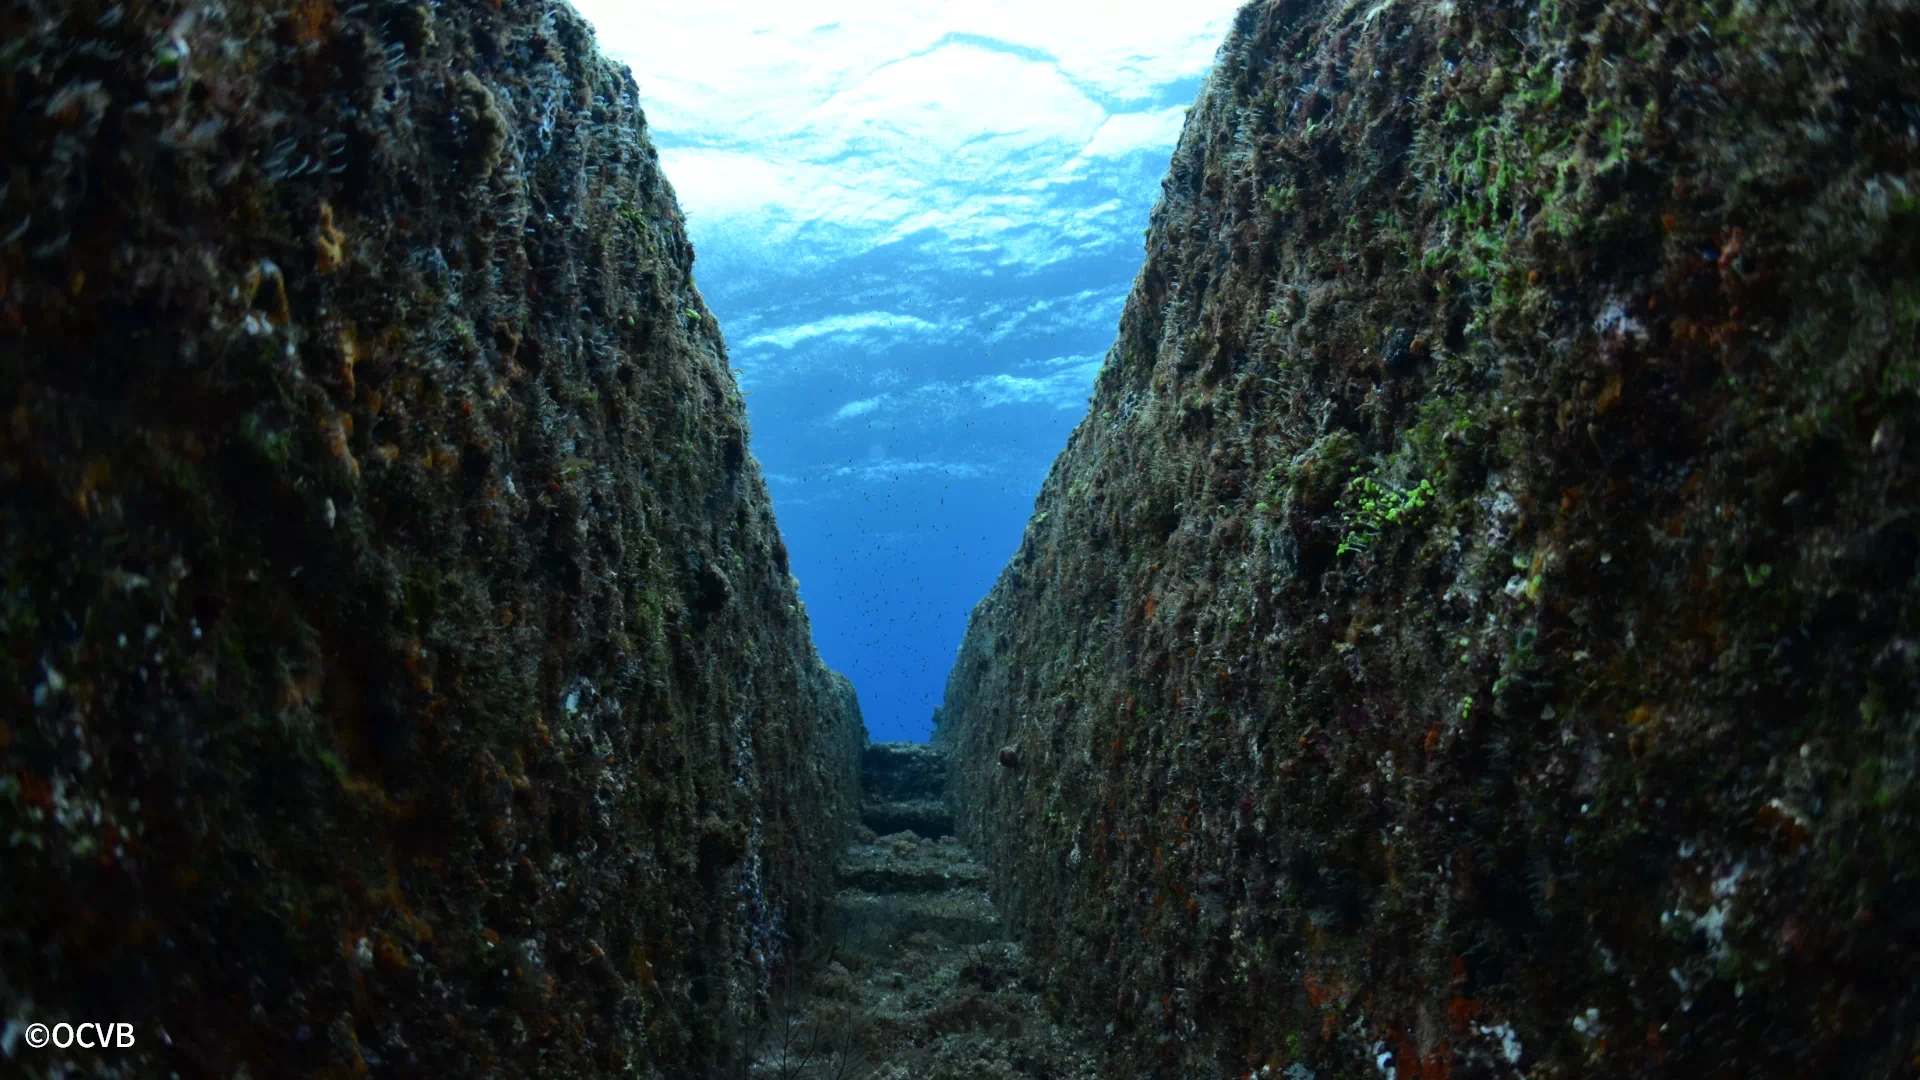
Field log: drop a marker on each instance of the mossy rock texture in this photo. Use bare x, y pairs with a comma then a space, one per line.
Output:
1569, 727
400, 672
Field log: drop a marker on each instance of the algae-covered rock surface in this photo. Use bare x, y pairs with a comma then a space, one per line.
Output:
917, 981
401, 674
903, 788
1474, 631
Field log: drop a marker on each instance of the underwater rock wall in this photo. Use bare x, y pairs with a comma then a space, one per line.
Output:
1474, 630
401, 670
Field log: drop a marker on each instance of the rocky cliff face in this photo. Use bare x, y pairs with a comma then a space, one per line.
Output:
401, 672
1474, 629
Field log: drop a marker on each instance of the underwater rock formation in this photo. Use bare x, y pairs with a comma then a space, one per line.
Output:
401, 671
1474, 630
903, 788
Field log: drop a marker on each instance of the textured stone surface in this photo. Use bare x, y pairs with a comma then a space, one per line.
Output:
918, 983
903, 770
903, 787
929, 818
1474, 629
905, 862
399, 668
867, 920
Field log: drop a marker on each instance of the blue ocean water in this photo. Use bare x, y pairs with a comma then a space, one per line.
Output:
906, 401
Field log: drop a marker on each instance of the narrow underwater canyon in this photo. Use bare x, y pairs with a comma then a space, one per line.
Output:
1472, 632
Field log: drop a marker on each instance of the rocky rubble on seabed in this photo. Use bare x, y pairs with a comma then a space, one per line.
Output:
918, 982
